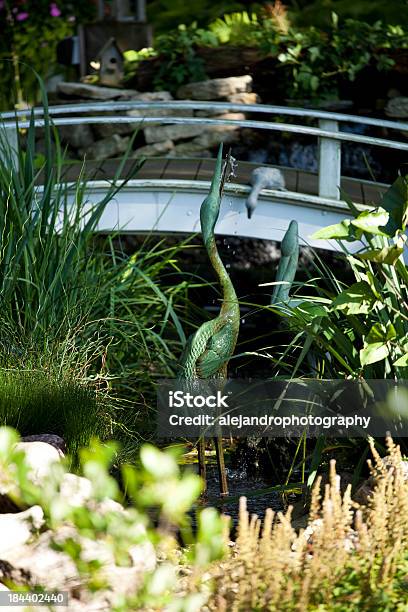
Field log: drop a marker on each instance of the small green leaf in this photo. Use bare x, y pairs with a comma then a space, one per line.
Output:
381, 333
370, 221
339, 230
371, 353
402, 362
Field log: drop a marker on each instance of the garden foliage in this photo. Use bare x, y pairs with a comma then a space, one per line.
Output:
29, 34
311, 62
75, 305
361, 330
349, 556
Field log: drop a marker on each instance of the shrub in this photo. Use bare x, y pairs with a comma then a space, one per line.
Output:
348, 557
361, 330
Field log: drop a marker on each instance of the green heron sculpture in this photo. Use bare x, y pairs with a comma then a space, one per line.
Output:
209, 349
287, 265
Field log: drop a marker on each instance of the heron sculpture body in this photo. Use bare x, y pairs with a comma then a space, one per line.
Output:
209, 349
288, 264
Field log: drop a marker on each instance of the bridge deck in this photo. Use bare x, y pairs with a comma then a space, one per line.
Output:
299, 181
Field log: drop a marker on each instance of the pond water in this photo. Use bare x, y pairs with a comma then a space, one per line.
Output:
240, 484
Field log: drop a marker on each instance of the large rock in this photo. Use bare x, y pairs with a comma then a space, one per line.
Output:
106, 130
75, 489
107, 147
53, 439
189, 149
153, 150
160, 112
215, 89
55, 570
77, 136
152, 96
171, 132
397, 108
39, 457
17, 529
244, 98
84, 90
215, 134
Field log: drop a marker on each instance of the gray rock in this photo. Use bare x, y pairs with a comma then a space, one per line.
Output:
94, 92
171, 132
158, 148
55, 441
77, 136
217, 134
160, 112
397, 107
222, 115
107, 147
152, 96
106, 130
189, 149
17, 529
215, 89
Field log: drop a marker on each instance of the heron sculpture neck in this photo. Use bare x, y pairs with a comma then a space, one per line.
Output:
209, 349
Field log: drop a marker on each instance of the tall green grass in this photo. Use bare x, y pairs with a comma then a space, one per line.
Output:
76, 305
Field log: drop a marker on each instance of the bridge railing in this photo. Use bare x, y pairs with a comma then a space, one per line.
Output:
328, 131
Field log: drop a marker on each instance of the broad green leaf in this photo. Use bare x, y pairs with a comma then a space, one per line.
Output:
339, 230
370, 221
310, 310
395, 202
371, 353
372, 282
357, 299
380, 333
387, 255
402, 362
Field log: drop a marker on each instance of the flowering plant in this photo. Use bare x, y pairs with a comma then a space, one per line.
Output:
29, 33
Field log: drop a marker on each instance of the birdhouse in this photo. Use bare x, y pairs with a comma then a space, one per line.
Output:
111, 64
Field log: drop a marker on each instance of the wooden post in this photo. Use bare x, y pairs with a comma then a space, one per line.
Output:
101, 10
141, 10
329, 162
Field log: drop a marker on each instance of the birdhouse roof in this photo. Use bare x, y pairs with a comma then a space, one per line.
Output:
111, 42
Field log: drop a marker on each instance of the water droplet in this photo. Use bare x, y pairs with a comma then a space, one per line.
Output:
243, 321
189, 213
228, 265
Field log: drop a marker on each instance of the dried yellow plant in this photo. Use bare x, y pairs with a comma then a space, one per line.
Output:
349, 557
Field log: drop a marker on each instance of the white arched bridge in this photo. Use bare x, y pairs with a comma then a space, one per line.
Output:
166, 195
